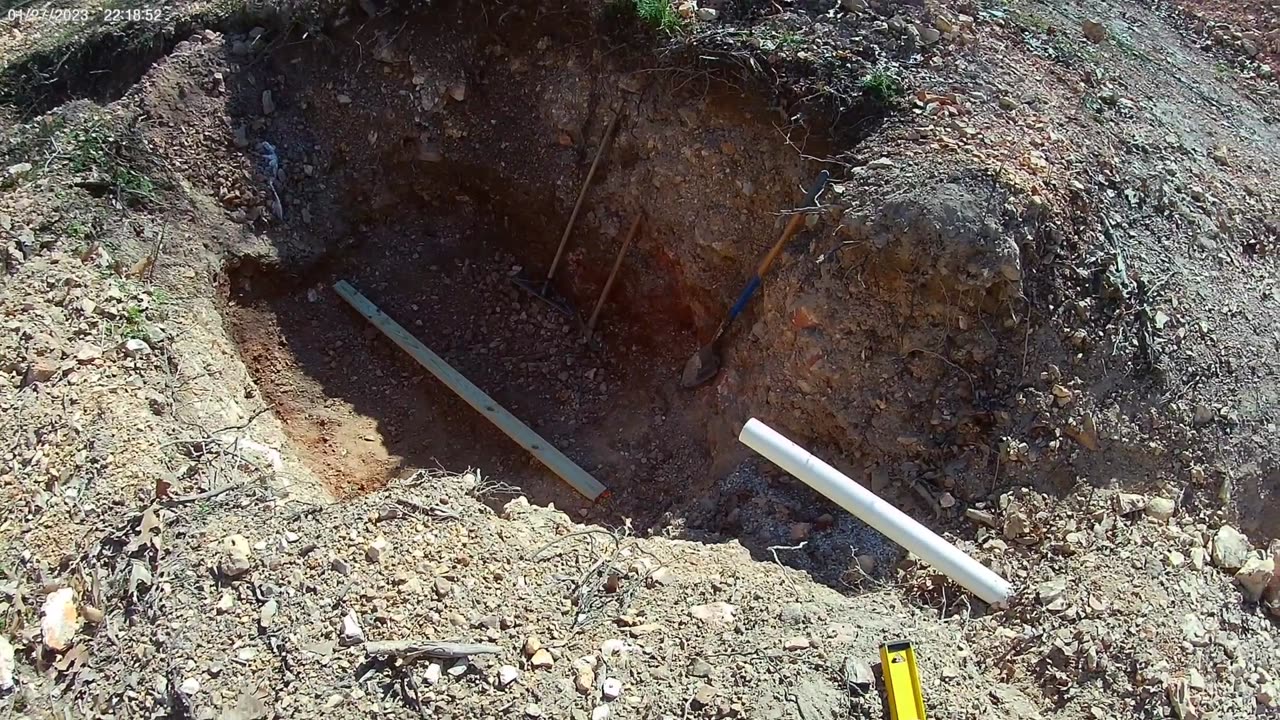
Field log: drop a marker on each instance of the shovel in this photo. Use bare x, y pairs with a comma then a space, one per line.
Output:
706, 363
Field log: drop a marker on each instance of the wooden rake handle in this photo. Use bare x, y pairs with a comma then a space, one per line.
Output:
582, 195
613, 273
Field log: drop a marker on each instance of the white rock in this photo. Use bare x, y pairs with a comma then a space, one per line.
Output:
1051, 590
1160, 508
858, 675
1129, 503
611, 688
7, 666
267, 616
716, 613
1230, 548
1255, 575
507, 674
236, 560
374, 552
662, 576
928, 35
352, 634
614, 647
135, 347
533, 710
190, 686
796, 643
515, 508
542, 659
88, 352
59, 619
433, 672
225, 602
707, 14
1197, 558
1193, 630
600, 712
459, 668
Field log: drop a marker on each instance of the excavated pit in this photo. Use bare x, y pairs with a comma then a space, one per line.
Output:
362, 411
430, 161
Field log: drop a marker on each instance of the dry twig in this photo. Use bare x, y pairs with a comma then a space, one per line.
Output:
410, 650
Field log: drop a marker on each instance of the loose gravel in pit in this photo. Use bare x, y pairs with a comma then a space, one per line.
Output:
361, 412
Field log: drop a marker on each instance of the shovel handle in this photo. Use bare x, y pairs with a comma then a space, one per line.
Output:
793, 226
741, 303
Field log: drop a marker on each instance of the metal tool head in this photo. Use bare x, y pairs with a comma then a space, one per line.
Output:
531, 288
701, 367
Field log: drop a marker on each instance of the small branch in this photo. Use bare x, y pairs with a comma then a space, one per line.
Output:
409, 650
773, 550
207, 494
244, 424
973, 387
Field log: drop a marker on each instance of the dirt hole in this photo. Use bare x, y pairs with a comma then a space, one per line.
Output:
431, 161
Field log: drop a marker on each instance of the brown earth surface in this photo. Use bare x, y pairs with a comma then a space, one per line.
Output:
1036, 309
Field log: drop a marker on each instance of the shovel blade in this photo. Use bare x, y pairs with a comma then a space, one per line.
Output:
701, 367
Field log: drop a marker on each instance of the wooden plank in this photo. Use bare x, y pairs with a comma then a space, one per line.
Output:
568, 471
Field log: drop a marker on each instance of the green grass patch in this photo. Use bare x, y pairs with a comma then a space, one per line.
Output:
1030, 22
135, 323
659, 15
883, 86
100, 149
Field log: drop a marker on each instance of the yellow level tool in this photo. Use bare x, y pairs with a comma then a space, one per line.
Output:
902, 681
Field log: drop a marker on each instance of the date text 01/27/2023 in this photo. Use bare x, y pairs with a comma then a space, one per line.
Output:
105, 15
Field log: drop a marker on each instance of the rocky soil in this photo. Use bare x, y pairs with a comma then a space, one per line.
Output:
1036, 310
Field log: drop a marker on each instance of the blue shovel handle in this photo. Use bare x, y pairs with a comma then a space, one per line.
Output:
754, 283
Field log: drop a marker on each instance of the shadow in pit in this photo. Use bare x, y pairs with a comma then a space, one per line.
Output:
363, 412
435, 236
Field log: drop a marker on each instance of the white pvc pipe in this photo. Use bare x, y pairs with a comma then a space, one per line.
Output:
866, 506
